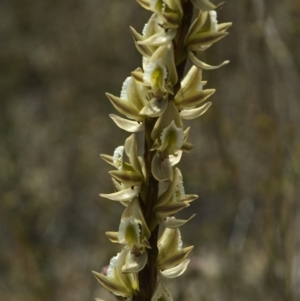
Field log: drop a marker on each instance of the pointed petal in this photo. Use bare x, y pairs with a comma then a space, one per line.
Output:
197, 25
108, 159
159, 39
169, 192
113, 236
161, 293
173, 258
203, 65
194, 113
175, 5
118, 186
172, 19
205, 39
144, 50
164, 120
130, 178
205, 4
170, 209
168, 244
155, 107
123, 195
224, 26
127, 125
191, 83
113, 285
134, 210
161, 168
124, 107
187, 146
195, 99
175, 271
166, 53
172, 222
131, 151
134, 263
188, 198
144, 3
138, 76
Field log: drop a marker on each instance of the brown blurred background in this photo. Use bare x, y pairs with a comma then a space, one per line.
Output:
57, 58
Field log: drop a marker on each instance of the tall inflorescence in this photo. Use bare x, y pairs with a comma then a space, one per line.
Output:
155, 100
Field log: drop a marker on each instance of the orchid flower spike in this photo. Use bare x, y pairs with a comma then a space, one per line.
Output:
154, 102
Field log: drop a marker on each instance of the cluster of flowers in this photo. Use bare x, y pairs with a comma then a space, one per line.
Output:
149, 94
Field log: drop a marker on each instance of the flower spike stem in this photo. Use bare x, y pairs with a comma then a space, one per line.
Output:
180, 57
155, 100
148, 276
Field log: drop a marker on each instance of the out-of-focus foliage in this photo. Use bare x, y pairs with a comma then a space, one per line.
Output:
57, 58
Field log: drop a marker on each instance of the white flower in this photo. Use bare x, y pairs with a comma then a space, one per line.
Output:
213, 21
118, 157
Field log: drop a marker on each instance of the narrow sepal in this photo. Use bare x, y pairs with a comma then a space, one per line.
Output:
175, 271
187, 146
144, 3
108, 159
189, 198
112, 236
205, 39
224, 26
129, 178
170, 209
203, 65
123, 195
194, 113
124, 107
130, 146
131, 126
173, 258
206, 4
113, 285
142, 49
159, 39
194, 99
173, 223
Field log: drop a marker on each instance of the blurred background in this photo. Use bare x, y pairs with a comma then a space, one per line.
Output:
57, 59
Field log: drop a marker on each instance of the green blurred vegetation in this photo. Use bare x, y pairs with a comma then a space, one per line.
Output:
57, 58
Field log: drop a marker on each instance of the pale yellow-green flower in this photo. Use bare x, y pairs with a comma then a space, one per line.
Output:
204, 32
116, 281
129, 176
171, 261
